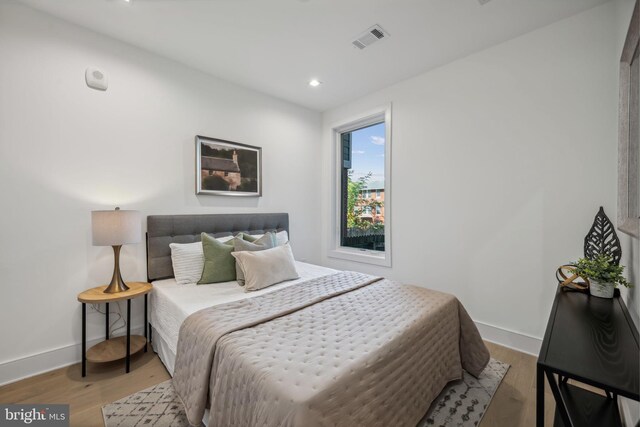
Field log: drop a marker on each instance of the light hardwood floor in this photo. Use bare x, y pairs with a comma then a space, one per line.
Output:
103, 384
513, 404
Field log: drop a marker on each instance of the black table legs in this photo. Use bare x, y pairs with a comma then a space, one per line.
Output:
147, 333
107, 322
539, 396
561, 408
84, 340
128, 335
146, 326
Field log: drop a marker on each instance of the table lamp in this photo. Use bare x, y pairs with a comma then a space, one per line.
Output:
116, 228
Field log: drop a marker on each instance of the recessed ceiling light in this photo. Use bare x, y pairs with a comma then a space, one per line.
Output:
315, 83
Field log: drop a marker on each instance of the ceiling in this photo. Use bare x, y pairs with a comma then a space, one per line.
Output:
277, 46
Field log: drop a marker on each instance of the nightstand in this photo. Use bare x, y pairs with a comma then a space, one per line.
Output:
112, 349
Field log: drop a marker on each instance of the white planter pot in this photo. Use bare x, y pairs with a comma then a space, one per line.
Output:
601, 290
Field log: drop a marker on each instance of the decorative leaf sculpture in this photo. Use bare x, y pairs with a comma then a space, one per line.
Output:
602, 239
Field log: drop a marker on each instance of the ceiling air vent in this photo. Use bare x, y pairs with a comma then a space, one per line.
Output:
370, 36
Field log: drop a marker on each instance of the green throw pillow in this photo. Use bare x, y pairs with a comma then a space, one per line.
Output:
253, 239
219, 265
246, 237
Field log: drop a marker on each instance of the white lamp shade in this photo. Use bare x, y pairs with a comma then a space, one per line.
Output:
117, 227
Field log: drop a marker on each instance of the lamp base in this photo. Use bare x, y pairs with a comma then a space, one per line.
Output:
117, 284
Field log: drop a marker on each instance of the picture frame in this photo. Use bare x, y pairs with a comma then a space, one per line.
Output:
227, 168
629, 131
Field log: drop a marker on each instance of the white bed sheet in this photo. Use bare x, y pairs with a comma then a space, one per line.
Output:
171, 303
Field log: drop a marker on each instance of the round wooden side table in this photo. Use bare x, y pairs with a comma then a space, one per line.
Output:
113, 348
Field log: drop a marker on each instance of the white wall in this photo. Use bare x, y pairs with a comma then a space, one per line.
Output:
631, 259
500, 161
633, 294
66, 149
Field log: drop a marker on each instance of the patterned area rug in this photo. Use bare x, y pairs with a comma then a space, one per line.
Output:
461, 404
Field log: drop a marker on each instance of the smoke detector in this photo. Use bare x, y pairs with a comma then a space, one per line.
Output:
370, 36
483, 2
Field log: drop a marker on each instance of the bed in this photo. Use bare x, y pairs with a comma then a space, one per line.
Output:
171, 303
330, 348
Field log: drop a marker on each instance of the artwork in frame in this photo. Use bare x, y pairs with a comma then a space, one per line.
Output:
227, 168
629, 131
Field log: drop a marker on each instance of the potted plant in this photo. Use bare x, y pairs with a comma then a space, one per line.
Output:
602, 273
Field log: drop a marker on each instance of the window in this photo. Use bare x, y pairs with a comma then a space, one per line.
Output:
362, 165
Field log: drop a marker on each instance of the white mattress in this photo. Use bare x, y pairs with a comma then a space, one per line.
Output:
171, 303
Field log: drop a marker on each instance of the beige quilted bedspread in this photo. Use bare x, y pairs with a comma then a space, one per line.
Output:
346, 349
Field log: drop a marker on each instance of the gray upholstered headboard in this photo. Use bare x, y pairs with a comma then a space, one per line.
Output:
163, 230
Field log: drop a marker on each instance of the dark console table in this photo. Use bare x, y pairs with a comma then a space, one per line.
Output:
593, 341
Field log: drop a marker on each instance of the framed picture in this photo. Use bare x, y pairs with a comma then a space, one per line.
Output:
629, 131
226, 168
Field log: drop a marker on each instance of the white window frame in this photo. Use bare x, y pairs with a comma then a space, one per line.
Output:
377, 115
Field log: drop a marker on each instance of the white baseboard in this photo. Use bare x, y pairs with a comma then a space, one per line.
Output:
511, 339
29, 366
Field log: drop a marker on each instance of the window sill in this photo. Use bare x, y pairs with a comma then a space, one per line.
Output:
361, 255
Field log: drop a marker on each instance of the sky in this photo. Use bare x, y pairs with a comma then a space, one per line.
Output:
367, 146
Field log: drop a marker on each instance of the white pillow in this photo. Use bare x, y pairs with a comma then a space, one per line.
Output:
188, 261
282, 237
268, 267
